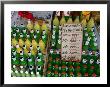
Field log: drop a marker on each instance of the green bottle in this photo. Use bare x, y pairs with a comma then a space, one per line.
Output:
56, 67
63, 74
38, 35
31, 61
24, 31
44, 39
23, 61
50, 67
63, 68
17, 73
32, 74
14, 61
49, 74
27, 74
31, 33
13, 73
71, 69
56, 74
57, 62
22, 73
39, 61
17, 33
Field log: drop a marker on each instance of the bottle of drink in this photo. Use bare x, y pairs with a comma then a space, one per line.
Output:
63, 74
31, 61
27, 74
71, 68
42, 46
56, 67
83, 69
71, 74
49, 74
23, 61
56, 74
91, 70
24, 31
44, 39
17, 73
32, 74
56, 21
76, 21
70, 21
57, 61
14, 60
49, 67
17, 33
13, 73
22, 73
63, 68
29, 25
40, 62
62, 21
31, 33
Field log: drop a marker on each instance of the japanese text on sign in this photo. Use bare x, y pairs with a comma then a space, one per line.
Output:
71, 42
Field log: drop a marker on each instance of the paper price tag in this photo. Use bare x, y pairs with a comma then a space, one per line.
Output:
71, 42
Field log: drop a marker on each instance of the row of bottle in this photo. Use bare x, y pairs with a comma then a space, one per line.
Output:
84, 22
28, 42
22, 71
89, 64
89, 40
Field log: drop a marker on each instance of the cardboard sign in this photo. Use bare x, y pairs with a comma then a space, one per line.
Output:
71, 42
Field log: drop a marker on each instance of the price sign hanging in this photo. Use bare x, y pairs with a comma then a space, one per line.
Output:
71, 42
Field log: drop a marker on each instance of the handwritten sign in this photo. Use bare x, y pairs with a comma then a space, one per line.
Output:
71, 42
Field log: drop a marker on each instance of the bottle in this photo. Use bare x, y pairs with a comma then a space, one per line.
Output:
49, 67
90, 24
57, 61
59, 44
24, 31
76, 21
21, 43
13, 73
56, 74
70, 21
63, 68
71, 74
44, 39
33, 74
29, 25
27, 43
22, 73
83, 22
62, 21
42, 45
44, 27
14, 60
17, 33
34, 44
31, 61
14, 42
56, 21
31, 33
23, 61
17, 73
56, 68
37, 26
63, 74
38, 74
39, 61
27, 74
49, 74
71, 68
